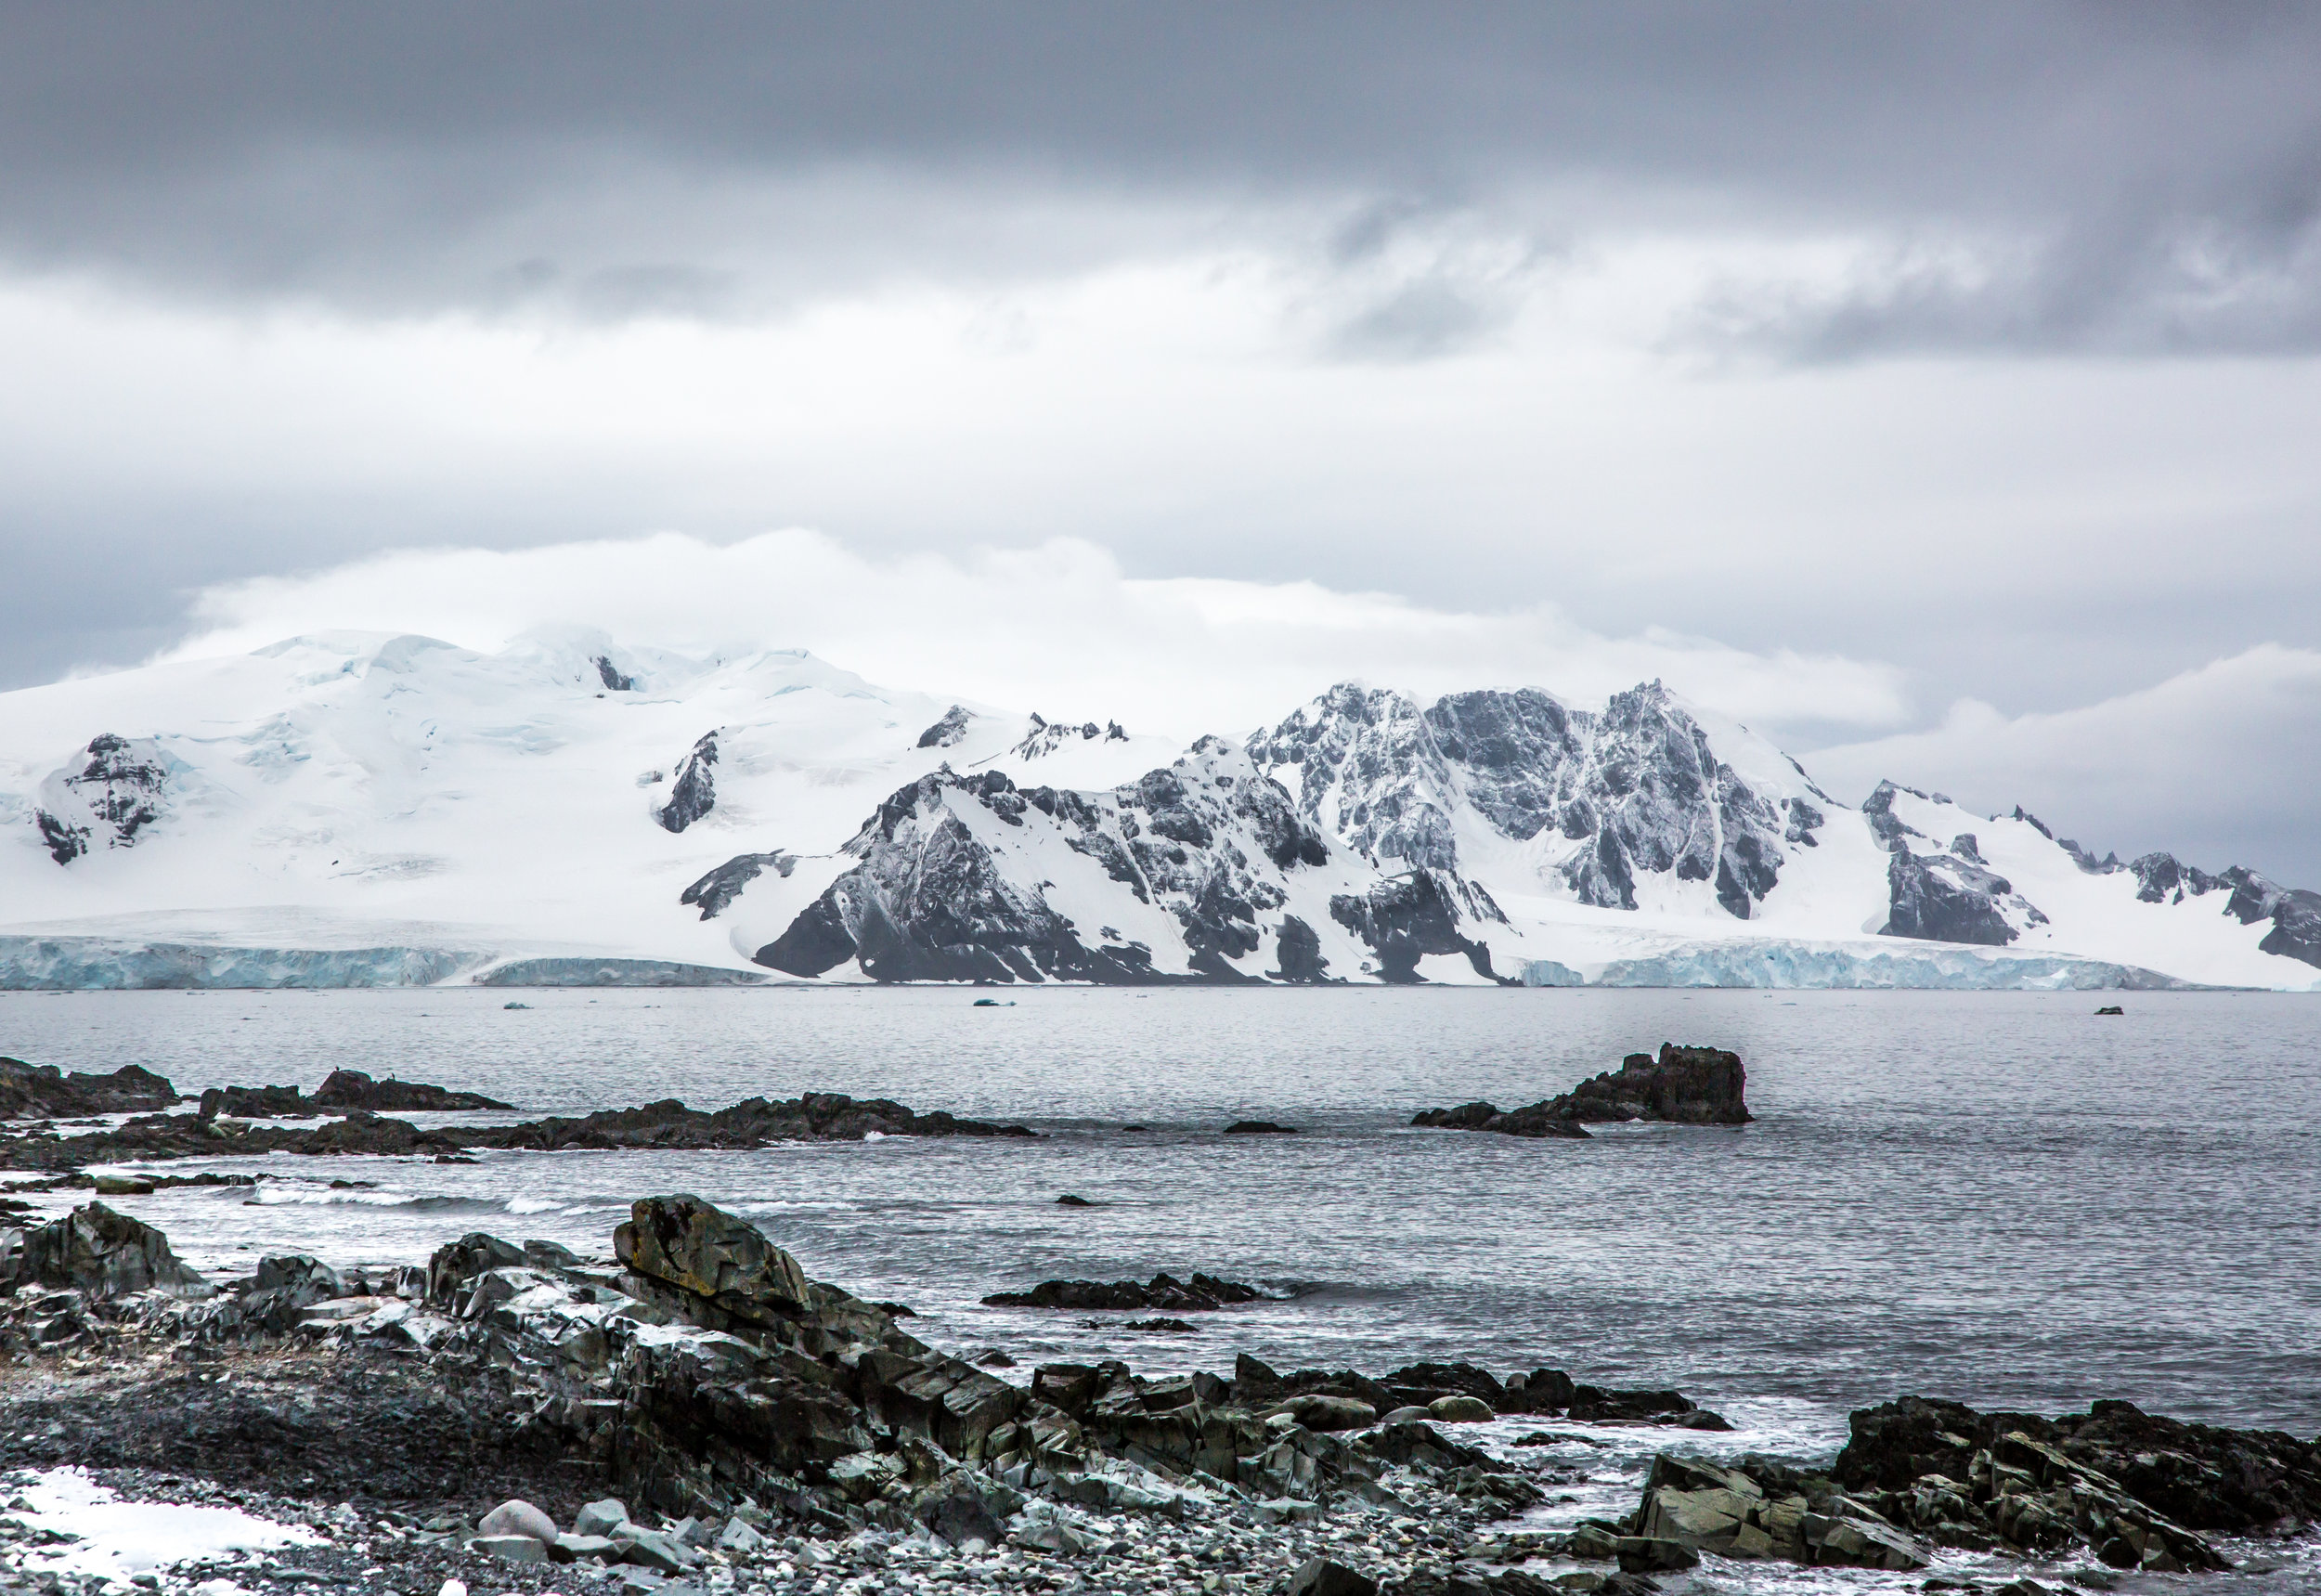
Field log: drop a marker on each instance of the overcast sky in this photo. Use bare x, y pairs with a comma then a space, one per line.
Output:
1937, 386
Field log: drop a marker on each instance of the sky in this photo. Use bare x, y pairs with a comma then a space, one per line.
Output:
1937, 388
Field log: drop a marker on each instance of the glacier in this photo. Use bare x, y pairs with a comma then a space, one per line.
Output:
361, 809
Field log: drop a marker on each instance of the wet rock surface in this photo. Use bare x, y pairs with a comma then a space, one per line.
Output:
353, 1089
43, 1091
1681, 1085
1199, 1294
698, 1414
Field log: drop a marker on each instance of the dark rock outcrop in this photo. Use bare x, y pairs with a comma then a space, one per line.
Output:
257, 1103
1683, 1085
718, 889
755, 1122
2203, 1478
615, 681
699, 1248
98, 1253
817, 1116
45, 1092
1202, 1293
353, 1089
695, 792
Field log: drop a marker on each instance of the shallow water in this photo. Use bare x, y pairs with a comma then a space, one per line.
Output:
2001, 1198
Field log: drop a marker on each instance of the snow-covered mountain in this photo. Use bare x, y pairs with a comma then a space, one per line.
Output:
363, 808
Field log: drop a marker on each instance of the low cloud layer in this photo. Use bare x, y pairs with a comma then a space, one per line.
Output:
1056, 629
2219, 765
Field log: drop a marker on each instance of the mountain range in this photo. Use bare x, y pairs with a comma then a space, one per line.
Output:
361, 809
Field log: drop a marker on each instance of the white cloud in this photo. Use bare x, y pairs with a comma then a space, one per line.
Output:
1057, 628
2219, 765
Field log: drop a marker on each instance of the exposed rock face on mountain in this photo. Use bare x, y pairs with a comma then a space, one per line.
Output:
948, 731
1046, 736
44, 1092
104, 800
1602, 799
1943, 894
1641, 840
957, 875
1683, 1085
714, 891
695, 792
1404, 918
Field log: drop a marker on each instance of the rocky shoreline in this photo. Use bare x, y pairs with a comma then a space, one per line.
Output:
694, 1413
225, 1123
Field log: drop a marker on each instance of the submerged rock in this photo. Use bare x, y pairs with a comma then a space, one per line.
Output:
1201, 1293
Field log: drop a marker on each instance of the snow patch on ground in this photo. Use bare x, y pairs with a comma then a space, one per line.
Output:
117, 1539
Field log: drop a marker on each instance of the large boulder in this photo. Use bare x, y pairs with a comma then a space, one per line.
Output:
102, 1254
697, 1247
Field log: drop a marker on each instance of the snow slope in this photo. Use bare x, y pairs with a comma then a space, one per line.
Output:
369, 809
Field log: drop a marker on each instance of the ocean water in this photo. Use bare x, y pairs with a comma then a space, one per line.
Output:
2001, 1198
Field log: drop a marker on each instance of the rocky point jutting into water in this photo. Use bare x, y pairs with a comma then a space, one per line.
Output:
215, 1131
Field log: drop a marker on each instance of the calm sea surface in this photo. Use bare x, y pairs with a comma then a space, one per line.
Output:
2000, 1198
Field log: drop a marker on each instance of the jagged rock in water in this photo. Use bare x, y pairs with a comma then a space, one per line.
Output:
947, 731
119, 790
702, 1249
1406, 918
45, 1092
612, 677
354, 1089
1201, 1294
695, 792
715, 890
1683, 1085
101, 1253
1601, 796
955, 870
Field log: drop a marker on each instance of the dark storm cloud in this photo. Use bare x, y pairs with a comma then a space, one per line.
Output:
2139, 178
